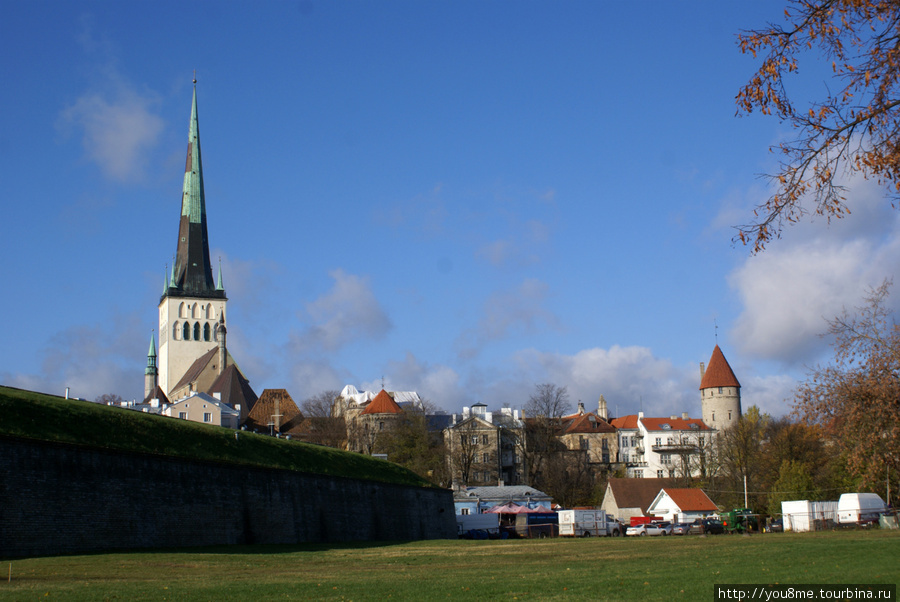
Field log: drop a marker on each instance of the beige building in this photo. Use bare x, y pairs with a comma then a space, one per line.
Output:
204, 408
590, 433
483, 447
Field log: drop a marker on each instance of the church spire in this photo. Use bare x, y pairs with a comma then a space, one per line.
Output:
192, 274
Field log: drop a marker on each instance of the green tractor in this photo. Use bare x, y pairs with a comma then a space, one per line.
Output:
740, 520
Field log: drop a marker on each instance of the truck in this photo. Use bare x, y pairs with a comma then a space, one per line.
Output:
860, 508
740, 520
587, 523
477, 526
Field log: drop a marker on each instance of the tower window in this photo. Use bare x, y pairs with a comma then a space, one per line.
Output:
729, 415
207, 332
720, 390
196, 331
713, 416
186, 331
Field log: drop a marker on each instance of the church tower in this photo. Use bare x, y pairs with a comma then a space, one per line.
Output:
720, 393
192, 303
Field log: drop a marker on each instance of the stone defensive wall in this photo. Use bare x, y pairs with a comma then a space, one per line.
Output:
66, 499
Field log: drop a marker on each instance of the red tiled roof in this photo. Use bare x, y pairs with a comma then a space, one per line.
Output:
677, 424
625, 422
383, 404
718, 372
636, 493
691, 500
585, 423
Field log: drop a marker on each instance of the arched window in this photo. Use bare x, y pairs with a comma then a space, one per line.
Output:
210, 312
207, 332
186, 332
196, 331
176, 334
195, 311
182, 310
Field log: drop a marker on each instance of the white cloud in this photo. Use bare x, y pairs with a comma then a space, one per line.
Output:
813, 273
348, 312
118, 130
629, 378
92, 360
506, 313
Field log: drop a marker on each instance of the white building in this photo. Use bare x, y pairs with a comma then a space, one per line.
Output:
662, 447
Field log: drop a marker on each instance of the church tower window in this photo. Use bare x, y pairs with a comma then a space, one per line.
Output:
196, 331
206, 332
186, 332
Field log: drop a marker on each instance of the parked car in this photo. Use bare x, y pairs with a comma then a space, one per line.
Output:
664, 528
681, 528
776, 525
707, 526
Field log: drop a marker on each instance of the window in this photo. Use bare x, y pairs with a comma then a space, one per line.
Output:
713, 416
464, 511
583, 443
186, 332
665, 458
484, 439
659, 440
474, 439
729, 415
207, 417
720, 390
659, 474
196, 331
485, 457
182, 415
380, 426
633, 439
625, 457
638, 474
624, 441
604, 444
207, 332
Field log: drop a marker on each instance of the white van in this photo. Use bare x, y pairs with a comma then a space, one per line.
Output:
860, 508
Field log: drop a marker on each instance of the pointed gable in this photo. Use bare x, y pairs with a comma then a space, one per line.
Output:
383, 404
157, 393
718, 372
234, 389
274, 407
691, 500
636, 493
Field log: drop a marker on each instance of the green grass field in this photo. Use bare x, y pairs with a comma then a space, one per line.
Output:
43, 417
671, 568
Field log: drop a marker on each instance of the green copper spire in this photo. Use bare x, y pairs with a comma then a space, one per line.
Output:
192, 273
151, 357
219, 285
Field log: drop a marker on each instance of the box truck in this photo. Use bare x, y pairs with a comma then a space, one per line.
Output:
860, 508
587, 523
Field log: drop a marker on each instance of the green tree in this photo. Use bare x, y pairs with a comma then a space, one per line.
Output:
853, 128
795, 482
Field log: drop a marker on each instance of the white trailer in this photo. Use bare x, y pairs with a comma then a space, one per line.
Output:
860, 507
587, 523
804, 515
489, 522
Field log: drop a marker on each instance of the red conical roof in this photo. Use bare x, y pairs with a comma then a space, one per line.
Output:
718, 372
383, 404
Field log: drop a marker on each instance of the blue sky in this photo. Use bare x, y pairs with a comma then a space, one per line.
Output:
462, 198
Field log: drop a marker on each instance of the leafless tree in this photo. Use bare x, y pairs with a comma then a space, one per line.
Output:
323, 424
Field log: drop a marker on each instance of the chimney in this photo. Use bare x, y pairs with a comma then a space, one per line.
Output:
602, 411
684, 416
580, 408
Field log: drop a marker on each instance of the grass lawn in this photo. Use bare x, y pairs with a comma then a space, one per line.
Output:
31, 415
657, 568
